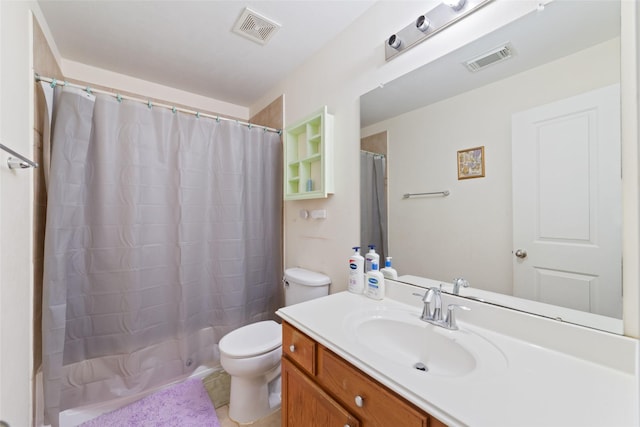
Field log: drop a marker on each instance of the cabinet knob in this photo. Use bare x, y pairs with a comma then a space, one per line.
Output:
292, 348
359, 401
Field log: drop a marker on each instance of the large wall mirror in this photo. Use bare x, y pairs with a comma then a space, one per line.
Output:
535, 223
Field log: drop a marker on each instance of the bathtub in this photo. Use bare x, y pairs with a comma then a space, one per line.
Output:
73, 417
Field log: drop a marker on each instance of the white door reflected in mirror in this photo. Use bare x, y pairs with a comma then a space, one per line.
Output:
567, 202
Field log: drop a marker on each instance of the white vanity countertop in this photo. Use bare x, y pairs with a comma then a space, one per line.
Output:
537, 387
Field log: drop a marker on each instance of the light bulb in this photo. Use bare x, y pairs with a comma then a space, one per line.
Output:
394, 41
422, 23
455, 4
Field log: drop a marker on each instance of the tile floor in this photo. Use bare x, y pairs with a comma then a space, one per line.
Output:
272, 420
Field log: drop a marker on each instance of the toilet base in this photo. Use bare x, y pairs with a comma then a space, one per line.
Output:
254, 398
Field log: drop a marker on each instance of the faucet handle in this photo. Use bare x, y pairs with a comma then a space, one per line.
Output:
423, 296
450, 321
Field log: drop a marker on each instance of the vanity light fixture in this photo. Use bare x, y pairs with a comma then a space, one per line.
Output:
455, 4
437, 19
422, 23
395, 42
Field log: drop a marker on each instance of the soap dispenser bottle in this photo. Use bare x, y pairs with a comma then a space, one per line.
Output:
389, 272
356, 272
375, 283
370, 258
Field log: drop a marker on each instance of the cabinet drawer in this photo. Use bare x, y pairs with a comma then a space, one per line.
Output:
299, 348
376, 405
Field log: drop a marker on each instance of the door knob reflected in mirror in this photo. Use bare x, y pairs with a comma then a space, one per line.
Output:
521, 253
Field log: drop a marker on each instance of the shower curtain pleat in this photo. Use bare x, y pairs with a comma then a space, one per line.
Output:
163, 233
373, 204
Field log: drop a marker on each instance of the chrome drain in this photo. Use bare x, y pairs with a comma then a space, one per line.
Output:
421, 367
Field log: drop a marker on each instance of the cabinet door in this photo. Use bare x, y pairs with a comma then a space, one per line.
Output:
304, 404
370, 401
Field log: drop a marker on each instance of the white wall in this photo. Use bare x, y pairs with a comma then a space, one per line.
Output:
352, 65
16, 228
469, 233
100, 77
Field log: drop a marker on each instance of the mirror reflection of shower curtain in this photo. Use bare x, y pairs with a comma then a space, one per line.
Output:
373, 204
163, 233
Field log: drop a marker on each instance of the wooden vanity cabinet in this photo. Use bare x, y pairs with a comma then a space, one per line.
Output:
305, 404
320, 389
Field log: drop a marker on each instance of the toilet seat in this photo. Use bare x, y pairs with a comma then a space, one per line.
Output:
252, 340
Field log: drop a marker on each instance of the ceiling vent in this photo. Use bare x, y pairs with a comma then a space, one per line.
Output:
255, 27
488, 58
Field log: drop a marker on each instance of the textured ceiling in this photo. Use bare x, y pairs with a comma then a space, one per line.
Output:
189, 45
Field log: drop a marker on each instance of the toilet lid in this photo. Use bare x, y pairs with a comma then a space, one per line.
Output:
252, 340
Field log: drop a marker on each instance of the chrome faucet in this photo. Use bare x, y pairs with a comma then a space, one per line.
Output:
432, 313
432, 309
457, 282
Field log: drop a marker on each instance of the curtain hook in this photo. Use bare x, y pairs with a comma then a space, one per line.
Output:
217, 119
119, 98
173, 110
54, 82
149, 104
197, 114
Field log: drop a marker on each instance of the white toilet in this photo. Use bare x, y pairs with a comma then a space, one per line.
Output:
251, 354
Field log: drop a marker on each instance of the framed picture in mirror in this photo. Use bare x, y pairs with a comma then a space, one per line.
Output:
471, 163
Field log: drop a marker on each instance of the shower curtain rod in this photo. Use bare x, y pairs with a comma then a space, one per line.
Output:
374, 153
150, 104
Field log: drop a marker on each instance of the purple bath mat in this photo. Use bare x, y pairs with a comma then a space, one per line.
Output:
182, 405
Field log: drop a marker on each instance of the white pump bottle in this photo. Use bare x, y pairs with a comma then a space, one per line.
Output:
370, 258
356, 272
389, 272
375, 287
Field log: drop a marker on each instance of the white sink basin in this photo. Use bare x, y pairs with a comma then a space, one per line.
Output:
402, 338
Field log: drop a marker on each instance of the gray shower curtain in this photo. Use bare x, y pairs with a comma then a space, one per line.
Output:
163, 233
373, 204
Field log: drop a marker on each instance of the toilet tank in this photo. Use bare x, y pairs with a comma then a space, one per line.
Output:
303, 285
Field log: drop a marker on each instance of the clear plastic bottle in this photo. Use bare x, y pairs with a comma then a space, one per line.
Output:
370, 258
389, 272
356, 272
375, 287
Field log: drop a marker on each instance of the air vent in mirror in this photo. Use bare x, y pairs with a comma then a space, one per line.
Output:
488, 58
